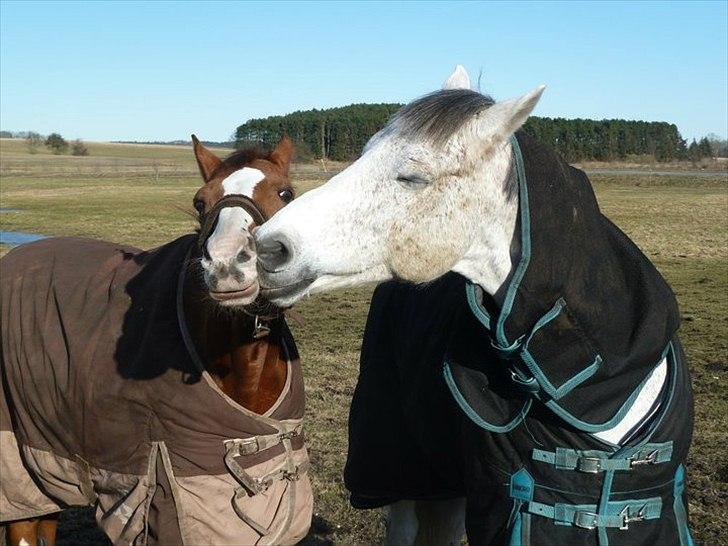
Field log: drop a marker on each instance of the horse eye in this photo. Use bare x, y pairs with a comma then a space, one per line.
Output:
286, 195
412, 181
199, 206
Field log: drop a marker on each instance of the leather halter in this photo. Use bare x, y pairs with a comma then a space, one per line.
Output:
261, 308
208, 220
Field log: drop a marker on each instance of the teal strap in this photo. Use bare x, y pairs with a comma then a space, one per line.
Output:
599, 461
619, 514
678, 507
511, 352
532, 380
521, 491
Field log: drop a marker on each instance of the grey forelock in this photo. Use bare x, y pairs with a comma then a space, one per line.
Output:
439, 115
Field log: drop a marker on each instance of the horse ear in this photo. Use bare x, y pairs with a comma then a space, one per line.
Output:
283, 154
459, 79
206, 160
500, 121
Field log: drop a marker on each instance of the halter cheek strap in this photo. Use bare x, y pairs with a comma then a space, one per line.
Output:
261, 308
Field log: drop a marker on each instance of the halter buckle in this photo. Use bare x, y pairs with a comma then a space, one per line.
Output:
261, 329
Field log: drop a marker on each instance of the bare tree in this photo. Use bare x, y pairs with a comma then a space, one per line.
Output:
79, 148
34, 141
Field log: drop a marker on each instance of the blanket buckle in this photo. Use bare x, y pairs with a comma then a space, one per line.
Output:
586, 520
649, 459
628, 518
590, 465
248, 446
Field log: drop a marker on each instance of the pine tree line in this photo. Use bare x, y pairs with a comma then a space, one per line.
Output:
334, 133
341, 133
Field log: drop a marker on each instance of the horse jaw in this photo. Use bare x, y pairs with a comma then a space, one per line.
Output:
326, 283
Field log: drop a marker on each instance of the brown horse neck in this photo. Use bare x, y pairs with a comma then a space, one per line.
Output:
251, 371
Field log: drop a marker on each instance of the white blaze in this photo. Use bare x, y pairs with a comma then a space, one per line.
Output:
225, 241
243, 181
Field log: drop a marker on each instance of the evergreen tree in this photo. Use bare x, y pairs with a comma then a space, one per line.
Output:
56, 143
341, 133
705, 149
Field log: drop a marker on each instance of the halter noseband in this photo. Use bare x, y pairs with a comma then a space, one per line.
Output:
208, 220
261, 309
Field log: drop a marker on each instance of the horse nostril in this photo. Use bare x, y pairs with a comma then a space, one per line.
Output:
243, 256
274, 254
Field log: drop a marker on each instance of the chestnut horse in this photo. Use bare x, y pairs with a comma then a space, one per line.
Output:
240, 343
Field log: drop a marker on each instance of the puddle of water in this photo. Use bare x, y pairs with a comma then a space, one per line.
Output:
8, 210
15, 238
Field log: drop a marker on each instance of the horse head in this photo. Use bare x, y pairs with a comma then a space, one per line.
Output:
429, 194
239, 193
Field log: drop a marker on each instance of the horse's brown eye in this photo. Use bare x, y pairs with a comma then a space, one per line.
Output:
199, 206
286, 195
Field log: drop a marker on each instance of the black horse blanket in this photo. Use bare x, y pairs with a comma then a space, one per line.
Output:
512, 404
104, 402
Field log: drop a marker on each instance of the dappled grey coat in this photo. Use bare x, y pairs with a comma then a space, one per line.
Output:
460, 396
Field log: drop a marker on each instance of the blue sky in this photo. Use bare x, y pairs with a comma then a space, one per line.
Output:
162, 70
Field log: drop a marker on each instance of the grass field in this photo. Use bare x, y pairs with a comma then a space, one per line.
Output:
135, 194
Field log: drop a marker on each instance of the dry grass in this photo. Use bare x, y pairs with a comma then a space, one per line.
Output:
680, 222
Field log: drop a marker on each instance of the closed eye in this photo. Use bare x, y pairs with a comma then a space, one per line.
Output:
412, 180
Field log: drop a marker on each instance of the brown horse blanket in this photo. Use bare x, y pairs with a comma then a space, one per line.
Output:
104, 402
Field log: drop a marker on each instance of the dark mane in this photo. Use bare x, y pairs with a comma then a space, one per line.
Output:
239, 158
439, 115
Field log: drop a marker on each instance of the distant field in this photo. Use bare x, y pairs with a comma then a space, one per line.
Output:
110, 160
679, 221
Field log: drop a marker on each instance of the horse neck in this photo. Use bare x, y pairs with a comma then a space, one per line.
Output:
250, 371
489, 261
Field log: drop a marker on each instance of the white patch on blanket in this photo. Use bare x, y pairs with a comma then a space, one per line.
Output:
641, 407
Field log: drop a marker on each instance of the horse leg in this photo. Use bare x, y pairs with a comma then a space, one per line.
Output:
436, 523
401, 523
441, 522
23, 532
33, 532
47, 530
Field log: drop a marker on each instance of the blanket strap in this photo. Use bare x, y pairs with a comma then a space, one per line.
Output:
248, 446
620, 513
593, 462
253, 485
617, 514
